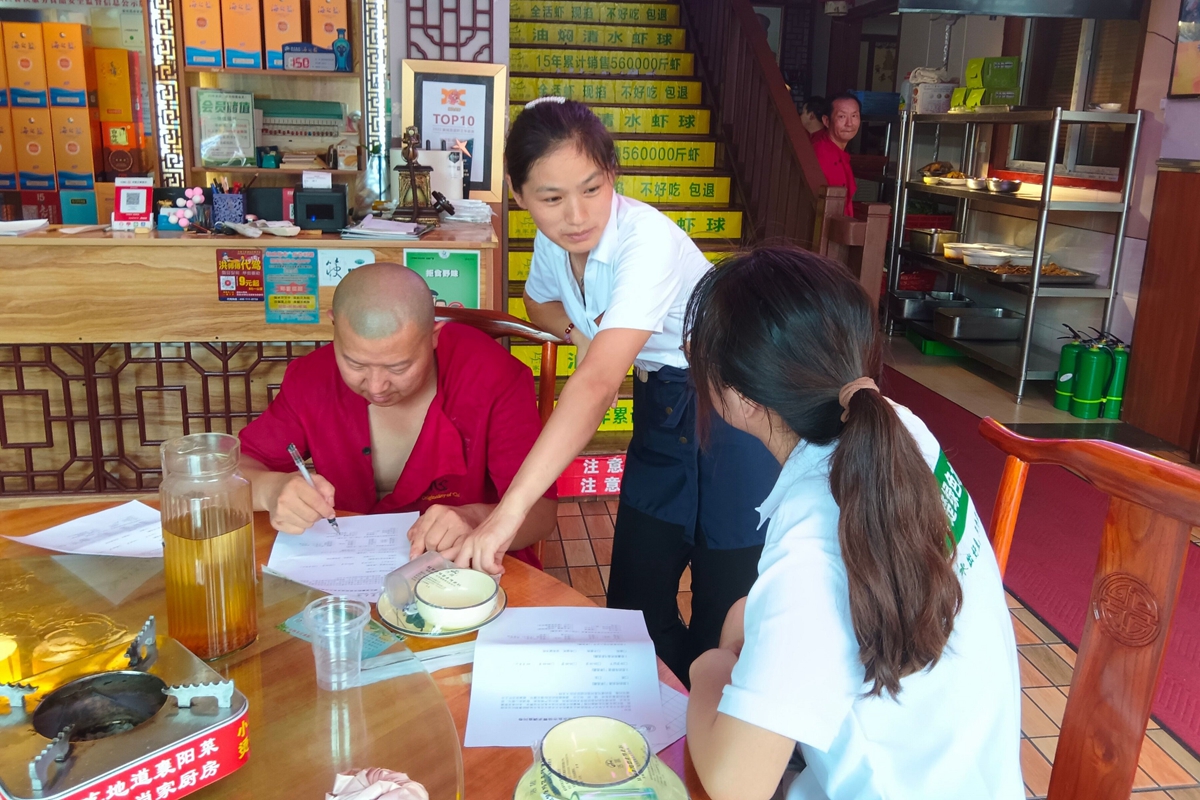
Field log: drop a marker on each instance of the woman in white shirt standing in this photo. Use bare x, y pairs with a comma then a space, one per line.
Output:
612, 276
877, 636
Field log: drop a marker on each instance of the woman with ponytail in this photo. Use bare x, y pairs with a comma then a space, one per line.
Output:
876, 638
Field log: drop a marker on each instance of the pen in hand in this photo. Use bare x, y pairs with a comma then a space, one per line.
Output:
295, 454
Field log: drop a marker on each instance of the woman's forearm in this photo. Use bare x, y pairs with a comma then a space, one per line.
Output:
581, 407
550, 317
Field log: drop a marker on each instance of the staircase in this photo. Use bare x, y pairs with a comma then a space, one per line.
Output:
630, 62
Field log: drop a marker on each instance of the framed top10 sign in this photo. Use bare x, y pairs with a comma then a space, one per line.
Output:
459, 101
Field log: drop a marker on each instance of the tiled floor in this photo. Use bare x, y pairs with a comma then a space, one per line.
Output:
581, 552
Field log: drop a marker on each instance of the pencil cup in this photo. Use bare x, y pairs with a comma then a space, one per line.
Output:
336, 625
229, 208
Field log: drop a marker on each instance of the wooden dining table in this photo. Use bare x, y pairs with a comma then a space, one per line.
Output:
301, 737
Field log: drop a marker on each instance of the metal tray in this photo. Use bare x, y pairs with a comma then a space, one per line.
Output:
920, 306
1075, 279
994, 324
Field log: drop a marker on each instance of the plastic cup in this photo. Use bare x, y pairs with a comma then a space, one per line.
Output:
336, 625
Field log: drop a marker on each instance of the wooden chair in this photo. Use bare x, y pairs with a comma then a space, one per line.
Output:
1152, 508
860, 244
497, 324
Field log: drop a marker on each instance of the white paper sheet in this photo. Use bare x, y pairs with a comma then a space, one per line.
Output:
352, 563
133, 530
535, 667
674, 705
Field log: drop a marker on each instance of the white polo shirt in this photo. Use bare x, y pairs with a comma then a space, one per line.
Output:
639, 276
953, 731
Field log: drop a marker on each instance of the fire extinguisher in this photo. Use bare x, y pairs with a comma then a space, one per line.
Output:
1091, 380
1068, 360
1116, 382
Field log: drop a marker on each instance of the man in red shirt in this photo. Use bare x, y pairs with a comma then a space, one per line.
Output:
400, 413
841, 126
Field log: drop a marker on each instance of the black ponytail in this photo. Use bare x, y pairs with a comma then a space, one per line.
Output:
545, 125
787, 329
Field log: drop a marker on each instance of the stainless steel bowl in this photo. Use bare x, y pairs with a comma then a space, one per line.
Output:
978, 184
931, 241
1003, 186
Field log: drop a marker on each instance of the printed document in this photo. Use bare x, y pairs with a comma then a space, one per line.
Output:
352, 563
133, 530
535, 667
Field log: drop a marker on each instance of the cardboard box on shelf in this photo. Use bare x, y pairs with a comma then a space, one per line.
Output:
26, 61
8, 152
76, 148
122, 146
78, 208
241, 34
35, 149
324, 19
932, 98
282, 24
70, 65
118, 85
202, 33
1000, 72
106, 200
41, 205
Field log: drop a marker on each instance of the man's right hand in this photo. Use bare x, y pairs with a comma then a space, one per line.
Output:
296, 506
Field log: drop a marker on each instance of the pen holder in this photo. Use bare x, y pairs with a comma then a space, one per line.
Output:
229, 208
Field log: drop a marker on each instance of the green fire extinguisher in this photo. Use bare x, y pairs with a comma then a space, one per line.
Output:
1068, 360
1116, 382
1091, 380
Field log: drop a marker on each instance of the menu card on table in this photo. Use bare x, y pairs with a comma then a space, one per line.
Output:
535, 667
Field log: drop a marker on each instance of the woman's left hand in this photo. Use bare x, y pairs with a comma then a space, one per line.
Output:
733, 632
484, 548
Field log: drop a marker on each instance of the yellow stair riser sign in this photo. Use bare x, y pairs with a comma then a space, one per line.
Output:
596, 35
531, 356
523, 59
688, 155
522, 89
519, 261
674, 189
609, 13
648, 120
714, 224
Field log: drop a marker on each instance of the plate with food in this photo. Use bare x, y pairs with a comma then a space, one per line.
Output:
1051, 274
954, 178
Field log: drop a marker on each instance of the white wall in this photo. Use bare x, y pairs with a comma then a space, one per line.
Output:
923, 38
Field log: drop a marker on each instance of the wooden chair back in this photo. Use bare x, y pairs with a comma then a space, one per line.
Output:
497, 324
1153, 505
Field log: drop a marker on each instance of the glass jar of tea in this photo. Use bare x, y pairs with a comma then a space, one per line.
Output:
208, 545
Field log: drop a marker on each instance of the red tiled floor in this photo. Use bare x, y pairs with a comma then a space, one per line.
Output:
572, 528
578, 552
552, 555
569, 510
594, 507
603, 550
598, 527
586, 580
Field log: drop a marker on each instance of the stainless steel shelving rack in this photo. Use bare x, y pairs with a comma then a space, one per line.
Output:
1020, 360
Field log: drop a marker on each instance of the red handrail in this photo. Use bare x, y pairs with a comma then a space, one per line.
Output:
777, 170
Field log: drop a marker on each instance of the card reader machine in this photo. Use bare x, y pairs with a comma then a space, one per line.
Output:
322, 209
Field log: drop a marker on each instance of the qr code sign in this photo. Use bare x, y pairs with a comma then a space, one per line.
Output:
228, 283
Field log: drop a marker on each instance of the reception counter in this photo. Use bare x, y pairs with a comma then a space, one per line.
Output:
111, 343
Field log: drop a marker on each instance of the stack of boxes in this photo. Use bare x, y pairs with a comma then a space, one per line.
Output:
236, 33
991, 82
67, 109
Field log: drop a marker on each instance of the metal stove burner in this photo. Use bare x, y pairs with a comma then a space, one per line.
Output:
104, 730
101, 705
